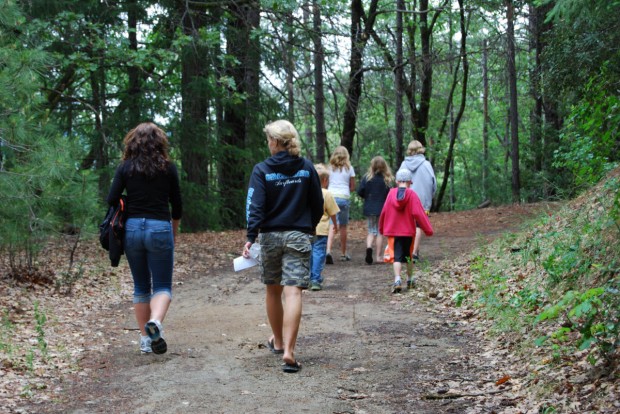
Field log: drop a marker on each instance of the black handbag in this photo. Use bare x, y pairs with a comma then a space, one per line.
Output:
112, 231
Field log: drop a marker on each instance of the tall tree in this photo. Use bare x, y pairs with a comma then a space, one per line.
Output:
361, 26
463, 99
319, 93
240, 128
193, 131
420, 109
485, 118
399, 81
514, 110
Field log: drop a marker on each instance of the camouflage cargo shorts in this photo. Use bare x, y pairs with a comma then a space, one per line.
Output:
285, 258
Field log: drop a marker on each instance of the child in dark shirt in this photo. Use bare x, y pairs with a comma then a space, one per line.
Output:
374, 188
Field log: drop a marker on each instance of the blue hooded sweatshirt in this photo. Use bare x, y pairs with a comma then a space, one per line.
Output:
284, 194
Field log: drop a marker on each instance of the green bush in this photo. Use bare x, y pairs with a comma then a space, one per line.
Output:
590, 140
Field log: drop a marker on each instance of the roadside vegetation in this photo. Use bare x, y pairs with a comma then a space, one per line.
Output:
551, 295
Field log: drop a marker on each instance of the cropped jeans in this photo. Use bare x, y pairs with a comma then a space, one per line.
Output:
149, 247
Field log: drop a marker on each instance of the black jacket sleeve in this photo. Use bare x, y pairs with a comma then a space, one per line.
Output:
255, 204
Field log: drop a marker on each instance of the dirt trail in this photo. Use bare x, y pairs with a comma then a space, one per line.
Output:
363, 350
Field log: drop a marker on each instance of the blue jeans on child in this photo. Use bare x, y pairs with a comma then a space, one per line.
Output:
317, 260
149, 247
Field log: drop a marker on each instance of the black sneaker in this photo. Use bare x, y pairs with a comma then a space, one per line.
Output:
410, 284
155, 331
329, 259
396, 287
369, 256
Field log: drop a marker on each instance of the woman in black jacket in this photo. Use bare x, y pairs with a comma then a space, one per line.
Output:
284, 205
374, 188
154, 210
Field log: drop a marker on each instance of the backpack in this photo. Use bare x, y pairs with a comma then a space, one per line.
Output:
112, 231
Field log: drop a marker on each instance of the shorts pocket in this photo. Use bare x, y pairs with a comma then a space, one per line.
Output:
299, 242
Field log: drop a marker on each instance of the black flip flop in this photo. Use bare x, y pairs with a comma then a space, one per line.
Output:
291, 368
272, 347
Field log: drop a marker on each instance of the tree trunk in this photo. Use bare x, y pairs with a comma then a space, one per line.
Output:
398, 83
134, 92
485, 119
359, 38
319, 95
193, 132
514, 114
427, 75
546, 105
535, 91
240, 117
459, 115
289, 65
420, 108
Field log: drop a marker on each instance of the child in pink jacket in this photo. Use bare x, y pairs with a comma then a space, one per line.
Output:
401, 214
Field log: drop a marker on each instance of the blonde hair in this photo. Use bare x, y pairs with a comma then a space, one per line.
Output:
322, 171
415, 147
340, 158
379, 166
285, 134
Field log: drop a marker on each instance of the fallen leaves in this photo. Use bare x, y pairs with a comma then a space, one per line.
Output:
502, 380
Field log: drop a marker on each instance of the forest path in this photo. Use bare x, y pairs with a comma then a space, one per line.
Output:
363, 350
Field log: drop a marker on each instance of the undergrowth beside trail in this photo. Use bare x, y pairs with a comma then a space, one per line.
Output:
553, 290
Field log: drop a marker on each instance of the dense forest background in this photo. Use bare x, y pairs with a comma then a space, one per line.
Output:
516, 101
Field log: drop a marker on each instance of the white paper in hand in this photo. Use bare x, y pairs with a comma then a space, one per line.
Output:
241, 263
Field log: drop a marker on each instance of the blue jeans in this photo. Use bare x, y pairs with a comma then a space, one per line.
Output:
149, 247
317, 260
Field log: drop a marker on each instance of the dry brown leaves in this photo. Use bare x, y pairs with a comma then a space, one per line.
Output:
45, 332
36, 353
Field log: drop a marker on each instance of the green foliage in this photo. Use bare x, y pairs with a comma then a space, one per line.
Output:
458, 297
590, 142
6, 332
41, 189
593, 313
561, 277
40, 319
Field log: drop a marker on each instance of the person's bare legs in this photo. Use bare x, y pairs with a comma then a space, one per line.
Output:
343, 239
156, 309
379, 246
369, 240
143, 315
397, 268
330, 239
410, 270
416, 242
291, 320
159, 306
275, 312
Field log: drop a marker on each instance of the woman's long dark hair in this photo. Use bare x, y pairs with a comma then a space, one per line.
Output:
146, 150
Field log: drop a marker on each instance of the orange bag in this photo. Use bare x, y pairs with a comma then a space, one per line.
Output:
388, 254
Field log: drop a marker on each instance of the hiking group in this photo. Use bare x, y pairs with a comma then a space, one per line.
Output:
294, 210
